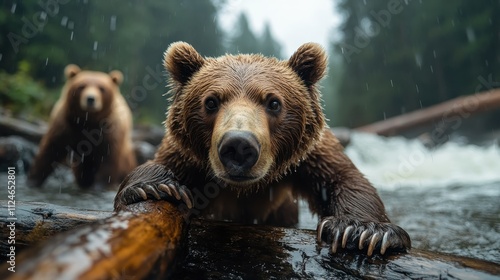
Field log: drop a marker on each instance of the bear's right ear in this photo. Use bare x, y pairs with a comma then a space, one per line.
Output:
71, 70
181, 61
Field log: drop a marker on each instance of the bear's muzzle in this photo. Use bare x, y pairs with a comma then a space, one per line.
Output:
238, 152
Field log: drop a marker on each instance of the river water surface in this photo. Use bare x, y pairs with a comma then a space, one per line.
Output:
447, 198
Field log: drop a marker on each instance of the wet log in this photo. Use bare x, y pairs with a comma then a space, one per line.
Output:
140, 243
148, 241
446, 113
38, 221
10, 126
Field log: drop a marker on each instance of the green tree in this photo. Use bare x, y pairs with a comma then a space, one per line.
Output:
127, 35
422, 53
268, 45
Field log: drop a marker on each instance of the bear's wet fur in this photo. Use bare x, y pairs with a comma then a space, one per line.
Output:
90, 129
246, 137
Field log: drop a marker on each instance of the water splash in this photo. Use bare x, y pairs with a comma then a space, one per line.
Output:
396, 162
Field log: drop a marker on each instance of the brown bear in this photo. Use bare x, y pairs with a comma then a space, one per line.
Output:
246, 136
90, 127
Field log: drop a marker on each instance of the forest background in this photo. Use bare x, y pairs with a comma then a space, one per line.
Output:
391, 56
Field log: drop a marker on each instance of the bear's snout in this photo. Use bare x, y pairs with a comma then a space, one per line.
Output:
90, 102
238, 152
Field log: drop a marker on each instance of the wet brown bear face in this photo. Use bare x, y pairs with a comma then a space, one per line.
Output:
247, 116
89, 92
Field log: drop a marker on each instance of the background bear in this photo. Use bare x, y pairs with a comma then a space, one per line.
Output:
90, 127
246, 136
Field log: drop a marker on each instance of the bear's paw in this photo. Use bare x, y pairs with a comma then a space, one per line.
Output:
356, 235
152, 181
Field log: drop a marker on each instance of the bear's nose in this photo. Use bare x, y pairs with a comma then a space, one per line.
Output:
238, 151
90, 101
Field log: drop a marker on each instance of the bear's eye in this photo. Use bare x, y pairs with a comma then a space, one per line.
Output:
80, 88
273, 105
211, 104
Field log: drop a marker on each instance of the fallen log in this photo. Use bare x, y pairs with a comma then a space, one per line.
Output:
145, 242
139, 243
446, 112
11, 126
34, 132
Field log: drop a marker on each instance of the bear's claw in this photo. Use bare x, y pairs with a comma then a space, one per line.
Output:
352, 235
142, 191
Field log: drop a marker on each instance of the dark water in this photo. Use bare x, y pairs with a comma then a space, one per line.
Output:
462, 220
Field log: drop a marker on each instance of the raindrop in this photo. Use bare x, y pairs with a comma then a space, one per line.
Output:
271, 194
43, 15
86, 116
392, 84
83, 157
109, 179
13, 8
112, 23
418, 60
367, 87
46, 61
64, 21
453, 23
385, 117
95, 45
323, 194
255, 221
432, 69
471, 36
421, 106
437, 20
78, 120
1, 57
71, 25
416, 86
71, 37
485, 62
434, 53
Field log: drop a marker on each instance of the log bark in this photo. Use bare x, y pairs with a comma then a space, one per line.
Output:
446, 112
140, 243
150, 238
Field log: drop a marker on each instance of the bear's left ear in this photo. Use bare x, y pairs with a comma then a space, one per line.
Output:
116, 77
181, 61
309, 62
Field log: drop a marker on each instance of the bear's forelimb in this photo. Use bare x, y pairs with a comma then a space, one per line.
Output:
52, 150
151, 181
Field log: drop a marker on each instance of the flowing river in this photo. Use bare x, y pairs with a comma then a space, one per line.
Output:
447, 198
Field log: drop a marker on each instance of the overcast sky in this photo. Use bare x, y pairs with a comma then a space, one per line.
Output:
292, 22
